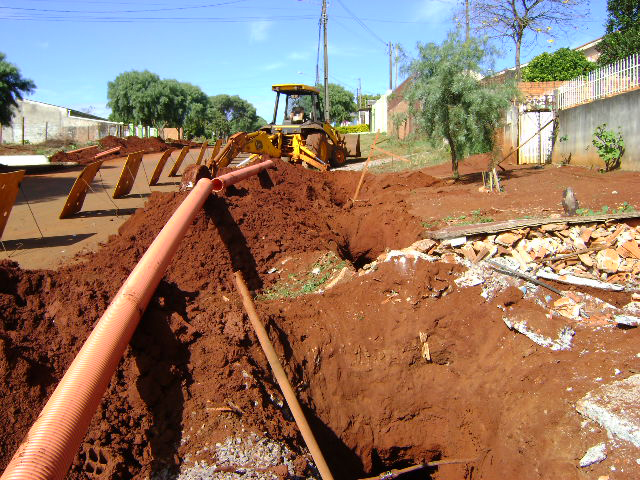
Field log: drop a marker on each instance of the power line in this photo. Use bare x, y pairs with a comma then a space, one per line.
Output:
128, 19
231, 2
361, 23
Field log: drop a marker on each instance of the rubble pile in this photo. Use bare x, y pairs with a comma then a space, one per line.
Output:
601, 256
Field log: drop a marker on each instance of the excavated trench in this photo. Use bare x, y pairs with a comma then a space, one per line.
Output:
194, 374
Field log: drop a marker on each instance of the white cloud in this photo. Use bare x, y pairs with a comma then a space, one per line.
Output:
343, 50
434, 10
273, 66
298, 56
98, 108
259, 31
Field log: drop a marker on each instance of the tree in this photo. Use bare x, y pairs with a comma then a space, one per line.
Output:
623, 31
12, 87
342, 105
240, 115
194, 118
447, 98
135, 97
563, 64
513, 19
365, 98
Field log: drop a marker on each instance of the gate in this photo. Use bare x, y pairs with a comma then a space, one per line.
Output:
538, 149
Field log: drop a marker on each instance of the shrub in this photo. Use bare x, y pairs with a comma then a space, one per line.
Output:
353, 128
610, 146
563, 64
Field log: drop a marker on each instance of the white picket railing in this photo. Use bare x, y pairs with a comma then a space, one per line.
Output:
605, 81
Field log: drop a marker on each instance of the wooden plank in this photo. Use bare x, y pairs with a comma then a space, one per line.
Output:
78, 192
128, 175
366, 166
78, 150
160, 165
107, 152
178, 162
202, 150
495, 227
9, 185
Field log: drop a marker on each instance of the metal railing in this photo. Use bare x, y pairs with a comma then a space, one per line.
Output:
605, 81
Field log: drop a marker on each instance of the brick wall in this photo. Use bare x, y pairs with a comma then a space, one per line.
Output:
535, 89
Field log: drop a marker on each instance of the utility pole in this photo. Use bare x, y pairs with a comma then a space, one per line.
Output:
396, 82
360, 93
327, 104
467, 19
390, 66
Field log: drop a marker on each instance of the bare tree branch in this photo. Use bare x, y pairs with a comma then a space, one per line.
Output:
524, 21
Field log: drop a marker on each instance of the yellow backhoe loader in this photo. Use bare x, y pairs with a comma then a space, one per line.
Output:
298, 132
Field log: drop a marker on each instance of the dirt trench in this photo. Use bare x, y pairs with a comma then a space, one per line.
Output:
194, 375
47, 314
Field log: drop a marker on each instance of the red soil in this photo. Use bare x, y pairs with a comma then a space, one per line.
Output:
128, 144
353, 355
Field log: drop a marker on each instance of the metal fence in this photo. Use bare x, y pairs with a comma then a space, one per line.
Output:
603, 82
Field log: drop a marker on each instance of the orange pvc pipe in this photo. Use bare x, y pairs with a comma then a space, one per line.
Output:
228, 179
53, 440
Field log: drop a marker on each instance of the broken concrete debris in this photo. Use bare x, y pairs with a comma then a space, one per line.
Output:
595, 454
614, 407
601, 255
561, 342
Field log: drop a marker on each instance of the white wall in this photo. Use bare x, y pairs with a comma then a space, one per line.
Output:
379, 113
43, 121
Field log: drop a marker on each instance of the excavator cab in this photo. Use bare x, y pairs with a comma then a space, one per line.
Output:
301, 105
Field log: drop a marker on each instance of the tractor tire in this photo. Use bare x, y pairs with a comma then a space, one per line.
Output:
318, 144
339, 157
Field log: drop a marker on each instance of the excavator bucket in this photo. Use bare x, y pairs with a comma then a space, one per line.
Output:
352, 142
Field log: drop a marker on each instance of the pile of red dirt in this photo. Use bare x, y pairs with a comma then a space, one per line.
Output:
353, 353
128, 145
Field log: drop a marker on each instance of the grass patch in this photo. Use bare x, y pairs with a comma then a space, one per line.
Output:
297, 284
625, 207
419, 151
476, 216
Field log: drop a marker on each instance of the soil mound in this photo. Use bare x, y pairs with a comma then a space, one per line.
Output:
129, 145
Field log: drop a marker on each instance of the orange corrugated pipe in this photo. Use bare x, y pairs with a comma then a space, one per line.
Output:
53, 440
228, 179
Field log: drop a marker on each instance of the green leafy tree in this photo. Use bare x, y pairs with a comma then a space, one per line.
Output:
447, 98
171, 103
563, 64
342, 104
12, 87
134, 97
622, 31
218, 124
194, 119
365, 98
239, 113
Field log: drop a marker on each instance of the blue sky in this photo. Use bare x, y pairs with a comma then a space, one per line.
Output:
71, 49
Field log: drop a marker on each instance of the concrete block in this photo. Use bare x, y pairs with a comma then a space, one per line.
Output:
615, 408
595, 454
